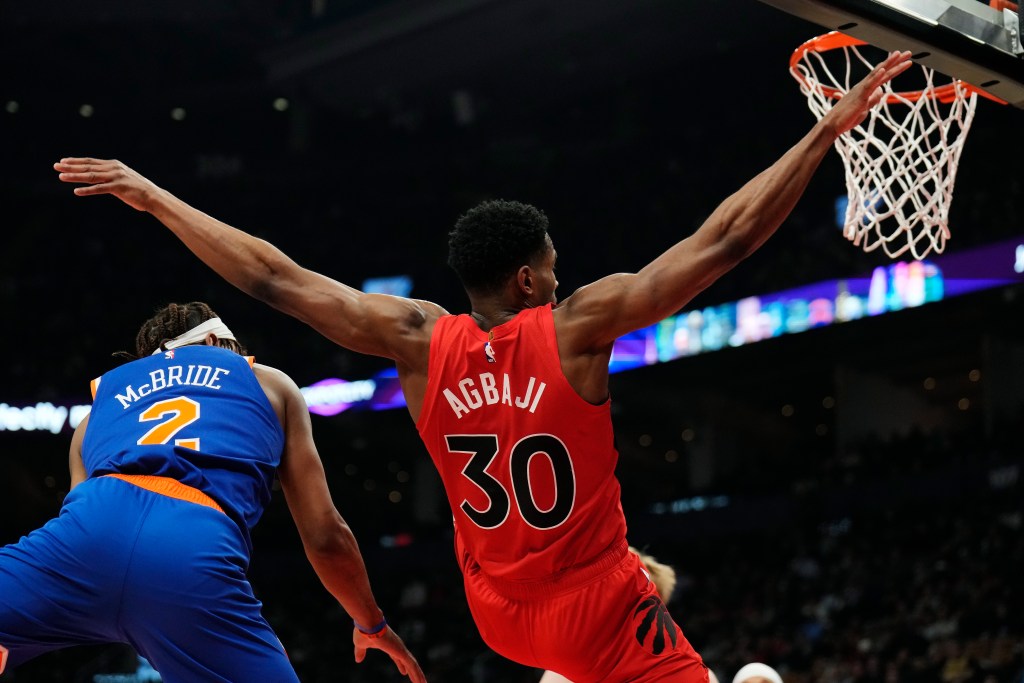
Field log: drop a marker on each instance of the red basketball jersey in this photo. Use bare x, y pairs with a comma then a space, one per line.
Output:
527, 464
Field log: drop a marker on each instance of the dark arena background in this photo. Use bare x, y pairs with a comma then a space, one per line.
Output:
841, 501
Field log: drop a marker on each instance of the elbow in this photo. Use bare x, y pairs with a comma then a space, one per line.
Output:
271, 280
738, 237
332, 539
265, 288
735, 248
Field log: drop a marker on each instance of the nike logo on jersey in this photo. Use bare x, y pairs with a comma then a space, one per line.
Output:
475, 393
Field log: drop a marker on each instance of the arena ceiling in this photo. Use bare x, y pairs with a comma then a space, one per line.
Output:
383, 54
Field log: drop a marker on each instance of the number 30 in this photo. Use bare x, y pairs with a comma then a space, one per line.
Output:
484, 447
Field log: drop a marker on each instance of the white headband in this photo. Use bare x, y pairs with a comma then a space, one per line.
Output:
198, 334
757, 669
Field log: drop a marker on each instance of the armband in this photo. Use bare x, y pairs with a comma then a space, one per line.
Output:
375, 632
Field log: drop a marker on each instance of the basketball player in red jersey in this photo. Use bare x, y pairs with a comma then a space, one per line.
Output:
511, 400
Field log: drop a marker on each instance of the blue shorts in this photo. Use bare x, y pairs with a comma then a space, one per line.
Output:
124, 564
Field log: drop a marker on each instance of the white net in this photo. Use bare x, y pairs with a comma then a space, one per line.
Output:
901, 161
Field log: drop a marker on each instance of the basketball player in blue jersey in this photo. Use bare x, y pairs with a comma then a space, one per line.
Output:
169, 473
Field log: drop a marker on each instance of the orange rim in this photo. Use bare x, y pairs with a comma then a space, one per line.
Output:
836, 40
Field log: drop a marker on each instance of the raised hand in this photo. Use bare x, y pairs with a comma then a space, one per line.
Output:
107, 176
854, 106
390, 643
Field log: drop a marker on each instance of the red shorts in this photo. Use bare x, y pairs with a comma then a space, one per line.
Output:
599, 622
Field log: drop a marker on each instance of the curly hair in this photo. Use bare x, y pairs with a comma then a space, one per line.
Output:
491, 241
172, 321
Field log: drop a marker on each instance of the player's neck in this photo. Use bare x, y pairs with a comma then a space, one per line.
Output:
491, 312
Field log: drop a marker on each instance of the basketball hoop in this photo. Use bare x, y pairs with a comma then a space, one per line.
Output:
901, 161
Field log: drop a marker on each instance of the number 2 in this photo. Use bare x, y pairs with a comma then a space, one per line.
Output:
183, 412
484, 447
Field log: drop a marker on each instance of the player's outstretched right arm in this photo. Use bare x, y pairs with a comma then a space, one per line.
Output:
601, 312
376, 324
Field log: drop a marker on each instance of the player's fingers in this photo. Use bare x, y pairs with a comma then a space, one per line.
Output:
80, 160
411, 668
92, 167
868, 83
897, 63
87, 190
895, 57
898, 69
92, 177
360, 654
875, 97
878, 76
894, 64
76, 168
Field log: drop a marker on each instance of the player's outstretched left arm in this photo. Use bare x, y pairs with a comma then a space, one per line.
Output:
376, 324
330, 545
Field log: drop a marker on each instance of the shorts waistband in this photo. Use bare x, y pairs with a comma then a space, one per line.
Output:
563, 581
172, 488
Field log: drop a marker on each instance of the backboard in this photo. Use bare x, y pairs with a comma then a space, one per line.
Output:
972, 40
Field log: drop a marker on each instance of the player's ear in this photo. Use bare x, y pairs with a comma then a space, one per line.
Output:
524, 278
210, 340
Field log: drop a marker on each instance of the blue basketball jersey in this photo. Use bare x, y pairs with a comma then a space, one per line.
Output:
196, 414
